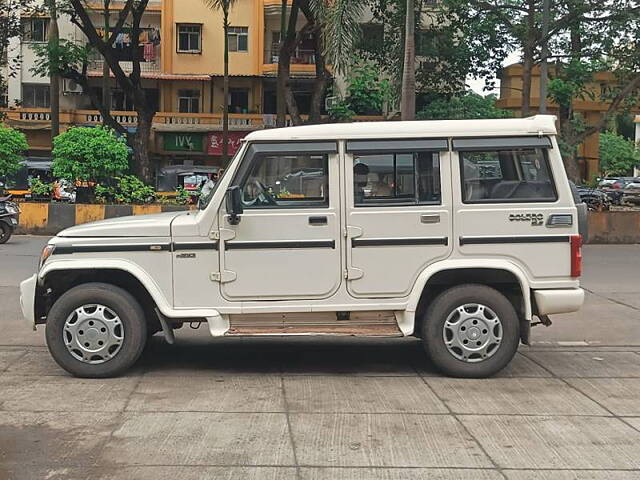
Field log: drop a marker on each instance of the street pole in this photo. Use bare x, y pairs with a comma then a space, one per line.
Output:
544, 63
54, 77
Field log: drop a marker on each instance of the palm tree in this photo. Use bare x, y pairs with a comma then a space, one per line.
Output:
54, 77
408, 92
225, 6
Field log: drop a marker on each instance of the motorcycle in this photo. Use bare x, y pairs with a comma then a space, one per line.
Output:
9, 215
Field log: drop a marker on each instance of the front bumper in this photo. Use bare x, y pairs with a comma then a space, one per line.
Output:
562, 300
28, 300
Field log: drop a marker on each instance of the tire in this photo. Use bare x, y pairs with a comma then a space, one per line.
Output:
5, 232
120, 315
497, 342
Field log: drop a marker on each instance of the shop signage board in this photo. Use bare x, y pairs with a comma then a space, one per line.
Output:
183, 142
214, 142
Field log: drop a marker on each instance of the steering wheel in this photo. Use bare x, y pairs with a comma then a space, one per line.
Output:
262, 198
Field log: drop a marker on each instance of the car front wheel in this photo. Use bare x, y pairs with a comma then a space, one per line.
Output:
96, 330
471, 331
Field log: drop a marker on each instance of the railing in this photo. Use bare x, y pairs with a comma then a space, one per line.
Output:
299, 56
237, 121
97, 65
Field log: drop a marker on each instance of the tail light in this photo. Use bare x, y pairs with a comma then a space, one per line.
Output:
576, 255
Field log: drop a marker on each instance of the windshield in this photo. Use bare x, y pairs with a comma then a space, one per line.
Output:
209, 188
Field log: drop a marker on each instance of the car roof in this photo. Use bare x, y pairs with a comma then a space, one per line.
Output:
536, 125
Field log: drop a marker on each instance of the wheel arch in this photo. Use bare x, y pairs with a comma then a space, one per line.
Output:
501, 275
54, 280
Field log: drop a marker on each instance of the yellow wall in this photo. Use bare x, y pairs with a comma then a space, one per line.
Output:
244, 13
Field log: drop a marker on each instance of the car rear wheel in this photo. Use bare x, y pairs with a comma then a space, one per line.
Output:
471, 331
96, 330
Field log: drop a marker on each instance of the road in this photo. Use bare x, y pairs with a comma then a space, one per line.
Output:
567, 407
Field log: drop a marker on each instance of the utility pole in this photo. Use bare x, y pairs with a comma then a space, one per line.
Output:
54, 77
408, 100
544, 62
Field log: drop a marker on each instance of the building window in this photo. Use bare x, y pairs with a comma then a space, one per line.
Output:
238, 39
36, 96
189, 101
190, 38
238, 100
35, 29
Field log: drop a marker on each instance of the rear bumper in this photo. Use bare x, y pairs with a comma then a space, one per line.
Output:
28, 300
558, 300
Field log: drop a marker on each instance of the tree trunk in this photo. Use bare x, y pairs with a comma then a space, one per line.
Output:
320, 82
284, 68
281, 107
106, 71
408, 101
528, 51
544, 61
225, 112
139, 142
54, 40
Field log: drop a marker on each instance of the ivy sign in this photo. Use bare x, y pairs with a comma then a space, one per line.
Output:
184, 142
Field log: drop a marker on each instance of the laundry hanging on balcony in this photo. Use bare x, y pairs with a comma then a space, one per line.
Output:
149, 53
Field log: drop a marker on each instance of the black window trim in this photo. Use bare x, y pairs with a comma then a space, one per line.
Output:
259, 149
392, 202
473, 144
403, 145
545, 153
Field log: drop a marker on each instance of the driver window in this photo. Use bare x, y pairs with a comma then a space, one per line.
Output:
286, 181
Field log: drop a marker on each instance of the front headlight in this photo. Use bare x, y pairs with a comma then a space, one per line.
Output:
47, 251
11, 209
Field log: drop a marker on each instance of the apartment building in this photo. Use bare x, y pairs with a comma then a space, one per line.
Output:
182, 48
590, 107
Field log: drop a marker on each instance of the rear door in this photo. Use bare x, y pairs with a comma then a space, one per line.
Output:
513, 202
287, 244
398, 213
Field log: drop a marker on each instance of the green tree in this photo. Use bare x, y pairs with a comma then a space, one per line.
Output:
13, 144
468, 105
89, 154
618, 155
70, 60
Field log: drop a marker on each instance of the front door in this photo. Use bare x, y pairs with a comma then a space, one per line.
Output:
287, 244
398, 206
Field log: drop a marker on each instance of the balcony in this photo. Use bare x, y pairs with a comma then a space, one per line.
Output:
40, 118
302, 61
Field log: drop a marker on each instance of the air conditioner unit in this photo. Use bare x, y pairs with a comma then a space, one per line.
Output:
70, 87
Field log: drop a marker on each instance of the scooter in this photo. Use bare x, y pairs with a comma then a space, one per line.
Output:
9, 215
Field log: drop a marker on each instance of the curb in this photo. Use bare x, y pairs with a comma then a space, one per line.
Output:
50, 218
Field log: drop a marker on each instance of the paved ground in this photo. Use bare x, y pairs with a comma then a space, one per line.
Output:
566, 408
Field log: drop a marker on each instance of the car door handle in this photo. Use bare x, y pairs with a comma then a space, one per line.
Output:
320, 220
431, 218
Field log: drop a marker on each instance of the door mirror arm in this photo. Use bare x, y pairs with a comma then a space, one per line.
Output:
234, 204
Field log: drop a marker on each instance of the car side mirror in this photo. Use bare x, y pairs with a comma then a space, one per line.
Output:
234, 204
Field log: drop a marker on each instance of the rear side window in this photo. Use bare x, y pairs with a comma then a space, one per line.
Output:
506, 176
396, 178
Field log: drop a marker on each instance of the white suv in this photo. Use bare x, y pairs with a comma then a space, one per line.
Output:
459, 232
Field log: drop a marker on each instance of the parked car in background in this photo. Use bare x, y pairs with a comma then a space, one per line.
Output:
614, 187
631, 192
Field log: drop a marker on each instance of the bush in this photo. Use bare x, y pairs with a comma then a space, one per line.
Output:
13, 144
183, 197
40, 189
92, 155
127, 189
468, 105
618, 155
